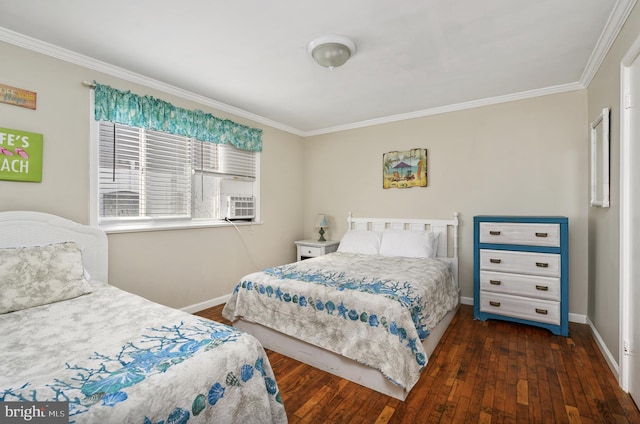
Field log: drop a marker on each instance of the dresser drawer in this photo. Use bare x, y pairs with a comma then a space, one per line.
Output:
310, 251
521, 285
545, 264
523, 234
546, 311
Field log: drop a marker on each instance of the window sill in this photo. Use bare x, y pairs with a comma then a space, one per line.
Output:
138, 227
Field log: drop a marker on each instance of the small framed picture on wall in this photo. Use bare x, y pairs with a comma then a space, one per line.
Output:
404, 169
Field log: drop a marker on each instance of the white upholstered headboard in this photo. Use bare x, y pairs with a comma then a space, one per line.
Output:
446, 229
27, 228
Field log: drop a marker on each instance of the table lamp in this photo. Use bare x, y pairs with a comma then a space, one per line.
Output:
322, 223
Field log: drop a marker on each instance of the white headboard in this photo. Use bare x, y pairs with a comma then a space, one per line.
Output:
26, 228
446, 229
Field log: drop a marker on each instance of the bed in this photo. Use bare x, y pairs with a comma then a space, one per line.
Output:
372, 312
114, 357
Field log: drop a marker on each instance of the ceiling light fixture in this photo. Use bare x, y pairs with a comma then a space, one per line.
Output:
331, 51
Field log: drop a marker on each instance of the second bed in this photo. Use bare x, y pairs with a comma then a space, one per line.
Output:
371, 313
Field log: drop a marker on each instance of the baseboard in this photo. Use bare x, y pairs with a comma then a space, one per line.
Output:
197, 307
466, 300
613, 364
579, 318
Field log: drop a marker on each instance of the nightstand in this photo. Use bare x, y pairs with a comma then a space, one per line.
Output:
312, 248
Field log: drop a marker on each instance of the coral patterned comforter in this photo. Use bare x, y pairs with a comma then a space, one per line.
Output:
373, 309
118, 358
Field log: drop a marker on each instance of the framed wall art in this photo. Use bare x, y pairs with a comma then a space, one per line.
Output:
18, 97
404, 169
20, 155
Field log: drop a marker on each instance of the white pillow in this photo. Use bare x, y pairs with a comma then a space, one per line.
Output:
38, 275
409, 244
360, 241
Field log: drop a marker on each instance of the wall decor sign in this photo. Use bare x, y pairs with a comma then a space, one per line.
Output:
17, 97
404, 169
20, 155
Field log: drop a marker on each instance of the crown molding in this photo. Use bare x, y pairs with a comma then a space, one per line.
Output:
57, 52
451, 108
617, 18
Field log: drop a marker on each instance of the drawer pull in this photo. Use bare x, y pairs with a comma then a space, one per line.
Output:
492, 303
542, 288
542, 265
495, 282
494, 233
542, 311
541, 234
495, 261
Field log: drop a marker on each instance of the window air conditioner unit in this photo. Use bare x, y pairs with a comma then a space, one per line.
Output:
241, 207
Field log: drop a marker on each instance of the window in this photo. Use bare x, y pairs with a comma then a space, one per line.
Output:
149, 179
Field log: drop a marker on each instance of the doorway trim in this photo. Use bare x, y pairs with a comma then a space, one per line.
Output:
625, 212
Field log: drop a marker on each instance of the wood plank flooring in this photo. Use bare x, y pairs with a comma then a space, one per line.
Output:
481, 372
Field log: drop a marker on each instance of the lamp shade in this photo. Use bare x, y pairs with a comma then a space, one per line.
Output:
321, 221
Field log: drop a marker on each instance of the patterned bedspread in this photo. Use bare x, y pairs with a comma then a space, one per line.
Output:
372, 309
118, 358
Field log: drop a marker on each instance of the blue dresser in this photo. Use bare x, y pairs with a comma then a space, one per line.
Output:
521, 270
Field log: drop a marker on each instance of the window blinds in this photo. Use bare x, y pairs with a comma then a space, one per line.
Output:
149, 174
223, 160
143, 173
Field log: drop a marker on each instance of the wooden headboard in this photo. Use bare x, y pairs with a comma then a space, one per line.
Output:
27, 228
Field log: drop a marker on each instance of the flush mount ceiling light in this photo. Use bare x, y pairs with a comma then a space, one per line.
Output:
331, 51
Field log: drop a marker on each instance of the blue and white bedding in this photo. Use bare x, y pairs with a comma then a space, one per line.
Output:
118, 358
373, 309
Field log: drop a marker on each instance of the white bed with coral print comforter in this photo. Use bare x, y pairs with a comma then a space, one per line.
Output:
372, 309
115, 357
118, 358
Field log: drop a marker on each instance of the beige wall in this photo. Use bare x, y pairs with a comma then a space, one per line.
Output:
525, 157
522, 158
604, 223
179, 267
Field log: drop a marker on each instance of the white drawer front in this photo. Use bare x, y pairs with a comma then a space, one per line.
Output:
520, 285
310, 251
546, 311
545, 264
517, 233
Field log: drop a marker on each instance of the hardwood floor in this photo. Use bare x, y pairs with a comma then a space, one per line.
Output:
481, 372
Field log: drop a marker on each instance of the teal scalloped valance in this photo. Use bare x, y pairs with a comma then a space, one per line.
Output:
124, 107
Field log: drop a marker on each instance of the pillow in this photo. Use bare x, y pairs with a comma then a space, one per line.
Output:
360, 241
409, 244
38, 275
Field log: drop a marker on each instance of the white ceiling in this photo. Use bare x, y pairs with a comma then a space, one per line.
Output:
414, 57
